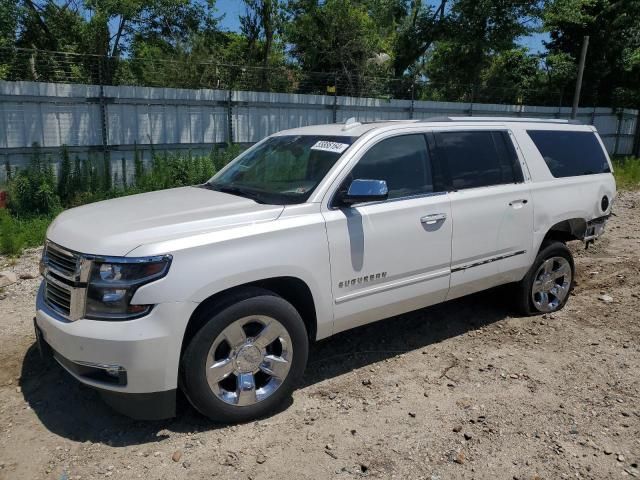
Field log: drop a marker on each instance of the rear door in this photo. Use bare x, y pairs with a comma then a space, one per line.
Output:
491, 209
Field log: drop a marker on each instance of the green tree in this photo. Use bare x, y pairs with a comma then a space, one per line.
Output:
479, 33
9, 17
52, 26
559, 71
336, 36
612, 67
418, 27
260, 24
510, 76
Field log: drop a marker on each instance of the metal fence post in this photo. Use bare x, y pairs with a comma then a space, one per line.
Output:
413, 98
230, 117
636, 140
104, 131
473, 99
561, 98
335, 98
620, 116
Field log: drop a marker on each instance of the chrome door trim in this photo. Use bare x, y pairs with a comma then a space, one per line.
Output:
487, 260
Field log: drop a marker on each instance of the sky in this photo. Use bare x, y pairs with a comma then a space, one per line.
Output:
232, 9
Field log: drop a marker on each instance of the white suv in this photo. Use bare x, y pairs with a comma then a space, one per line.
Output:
218, 289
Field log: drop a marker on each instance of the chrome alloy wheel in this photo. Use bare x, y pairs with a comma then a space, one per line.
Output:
249, 360
551, 284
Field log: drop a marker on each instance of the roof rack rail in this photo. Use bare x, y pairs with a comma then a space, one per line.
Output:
393, 120
501, 119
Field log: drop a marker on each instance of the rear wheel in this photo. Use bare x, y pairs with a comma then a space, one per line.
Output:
246, 359
547, 285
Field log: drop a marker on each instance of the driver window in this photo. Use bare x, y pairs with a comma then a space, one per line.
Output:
402, 162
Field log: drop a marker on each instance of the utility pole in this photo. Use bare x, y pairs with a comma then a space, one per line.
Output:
576, 95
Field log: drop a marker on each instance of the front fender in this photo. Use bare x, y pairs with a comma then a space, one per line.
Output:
291, 247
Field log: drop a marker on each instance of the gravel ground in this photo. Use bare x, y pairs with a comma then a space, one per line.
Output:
460, 390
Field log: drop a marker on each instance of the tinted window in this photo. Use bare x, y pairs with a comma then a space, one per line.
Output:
402, 162
510, 164
569, 154
479, 158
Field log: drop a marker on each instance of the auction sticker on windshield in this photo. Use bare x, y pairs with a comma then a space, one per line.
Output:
327, 146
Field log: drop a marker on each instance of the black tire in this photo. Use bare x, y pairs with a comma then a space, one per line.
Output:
524, 304
193, 364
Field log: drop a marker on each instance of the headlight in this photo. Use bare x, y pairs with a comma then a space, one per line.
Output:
113, 282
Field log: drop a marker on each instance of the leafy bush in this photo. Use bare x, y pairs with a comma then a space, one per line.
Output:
33, 190
37, 195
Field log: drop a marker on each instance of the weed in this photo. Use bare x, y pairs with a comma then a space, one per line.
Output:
627, 172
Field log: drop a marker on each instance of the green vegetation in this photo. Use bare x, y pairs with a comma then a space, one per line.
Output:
627, 173
19, 233
37, 194
459, 50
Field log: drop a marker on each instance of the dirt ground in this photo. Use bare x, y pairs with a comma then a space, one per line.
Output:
461, 390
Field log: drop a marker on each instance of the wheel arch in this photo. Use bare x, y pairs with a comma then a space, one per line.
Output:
565, 231
292, 289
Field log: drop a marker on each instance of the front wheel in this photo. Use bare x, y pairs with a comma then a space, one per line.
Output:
246, 359
547, 285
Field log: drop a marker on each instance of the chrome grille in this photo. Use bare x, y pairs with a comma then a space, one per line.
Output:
60, 261
63, 270
57, 297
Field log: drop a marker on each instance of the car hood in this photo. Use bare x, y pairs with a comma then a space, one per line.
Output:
115, 227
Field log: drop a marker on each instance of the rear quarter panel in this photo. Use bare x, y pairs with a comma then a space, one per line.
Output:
559, 199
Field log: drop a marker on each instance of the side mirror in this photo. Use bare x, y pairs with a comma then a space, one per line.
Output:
361, 191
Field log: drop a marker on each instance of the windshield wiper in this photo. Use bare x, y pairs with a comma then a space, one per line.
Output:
239, 191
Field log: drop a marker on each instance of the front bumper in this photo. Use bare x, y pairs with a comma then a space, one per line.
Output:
146, 349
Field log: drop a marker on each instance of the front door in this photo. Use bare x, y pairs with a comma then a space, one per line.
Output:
392, 256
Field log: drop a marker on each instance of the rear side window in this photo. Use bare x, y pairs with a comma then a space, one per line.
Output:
402, 162
569, 154
479, 158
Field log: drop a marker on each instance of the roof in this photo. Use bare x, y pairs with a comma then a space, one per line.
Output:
353, 128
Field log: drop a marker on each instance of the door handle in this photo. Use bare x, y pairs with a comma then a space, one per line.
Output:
433, 218
518, 203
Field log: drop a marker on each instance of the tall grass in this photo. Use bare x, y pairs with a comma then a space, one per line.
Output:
627, 173
37, 194
17, 234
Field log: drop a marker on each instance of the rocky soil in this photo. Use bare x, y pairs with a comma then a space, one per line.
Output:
461, 390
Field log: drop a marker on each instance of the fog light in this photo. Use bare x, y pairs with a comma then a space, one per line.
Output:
98, 372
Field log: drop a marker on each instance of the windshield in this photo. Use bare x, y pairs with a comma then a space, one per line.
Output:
282, 169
